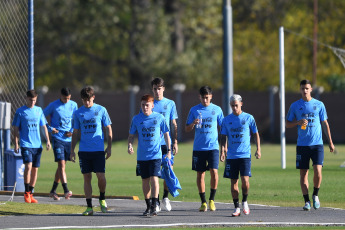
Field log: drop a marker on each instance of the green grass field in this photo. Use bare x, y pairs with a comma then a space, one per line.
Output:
270, 184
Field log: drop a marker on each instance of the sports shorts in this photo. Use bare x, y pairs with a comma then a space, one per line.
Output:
147, 169
205, 160
31, 155
62, 149
305, 153
240, 166
92, 162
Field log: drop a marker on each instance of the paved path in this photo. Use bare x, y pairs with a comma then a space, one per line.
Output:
128, 213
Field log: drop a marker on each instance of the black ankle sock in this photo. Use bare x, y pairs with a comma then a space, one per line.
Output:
202, 197
89, 203
236, 203
316, 191
213, 194
102, 195
31, 188
154, 202
26, 187
165, 194
65, 189
148, 203
245, 196
306, 198
55, 185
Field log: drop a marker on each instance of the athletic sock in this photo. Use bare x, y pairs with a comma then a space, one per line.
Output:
213, 194
165, 194
306, 198
26, 187
202, 197
102, 196
89, 202
154, 202
55, 185
65, 189
148, 203
316, 191
31, 188
159, 203
245, 196
236, 203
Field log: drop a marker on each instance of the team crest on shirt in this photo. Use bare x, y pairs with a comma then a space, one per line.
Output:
314, 107
213, 112
243, 122
155, 122
165, 106
96, 113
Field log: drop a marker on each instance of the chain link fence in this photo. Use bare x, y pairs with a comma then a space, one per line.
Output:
13, 52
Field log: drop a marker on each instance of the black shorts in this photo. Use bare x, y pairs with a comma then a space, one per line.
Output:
235, 166
205, 160
92, 162
305, 153
147, 169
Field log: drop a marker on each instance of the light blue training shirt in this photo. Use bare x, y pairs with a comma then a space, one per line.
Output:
149, 129
61, 115
238, 130
90, 122
167, 108
29, 120
206, 137
316, 112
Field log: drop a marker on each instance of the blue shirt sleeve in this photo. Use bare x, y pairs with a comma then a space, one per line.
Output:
323, 113
252, 126
105, 118
76, 123
291, 114
43, 120
16, 119
133, 128
173, 114
190, 118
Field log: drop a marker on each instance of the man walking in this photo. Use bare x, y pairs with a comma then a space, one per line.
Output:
238, 128
205, 118
310, 117
61, 113
89, 122
167, 108
27, 121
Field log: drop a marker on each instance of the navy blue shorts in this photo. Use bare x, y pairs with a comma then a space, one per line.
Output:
92, 162
165, 151
32, 155
147, 169
305, 153
62, 150
235, 166
205, 160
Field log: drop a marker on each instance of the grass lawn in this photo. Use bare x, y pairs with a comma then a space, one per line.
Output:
270, 184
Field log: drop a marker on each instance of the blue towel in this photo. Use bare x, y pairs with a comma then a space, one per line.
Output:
170, 178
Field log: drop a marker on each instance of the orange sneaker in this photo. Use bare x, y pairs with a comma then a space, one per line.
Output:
27, 197
33, 200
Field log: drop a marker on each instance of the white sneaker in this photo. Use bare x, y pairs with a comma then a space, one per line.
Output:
237, 212
245, 207
166, 204
158, 208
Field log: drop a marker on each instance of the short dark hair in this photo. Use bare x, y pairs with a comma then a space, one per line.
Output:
65, 91
304, 82
205, 90
87, 92
158, 82
31, 93
148, 98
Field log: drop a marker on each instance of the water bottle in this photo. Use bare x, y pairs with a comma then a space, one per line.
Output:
304, 117
200, 121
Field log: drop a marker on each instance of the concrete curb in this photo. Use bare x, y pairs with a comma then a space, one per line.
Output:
9, 193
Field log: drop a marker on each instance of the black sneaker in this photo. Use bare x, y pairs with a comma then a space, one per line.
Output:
153, 211
147, 212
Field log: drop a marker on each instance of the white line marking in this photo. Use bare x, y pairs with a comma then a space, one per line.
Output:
191, 224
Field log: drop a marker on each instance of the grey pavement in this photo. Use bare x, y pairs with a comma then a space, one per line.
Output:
128, 213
